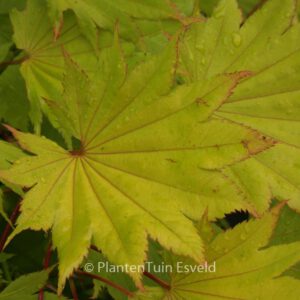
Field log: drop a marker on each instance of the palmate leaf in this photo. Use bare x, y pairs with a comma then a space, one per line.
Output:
243, 269
131, 16
268, 101
147, 25
43, 64
147, 159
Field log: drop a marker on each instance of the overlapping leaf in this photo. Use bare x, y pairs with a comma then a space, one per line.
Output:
243, 269
267, 101
135, 17
43, 64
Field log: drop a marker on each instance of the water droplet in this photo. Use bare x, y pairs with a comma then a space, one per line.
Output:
236, 39
43, 180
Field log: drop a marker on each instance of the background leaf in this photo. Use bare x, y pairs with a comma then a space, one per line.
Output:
243, 268
25, 287
14, 105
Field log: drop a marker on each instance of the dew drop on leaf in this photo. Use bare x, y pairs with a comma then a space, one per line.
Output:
236, 39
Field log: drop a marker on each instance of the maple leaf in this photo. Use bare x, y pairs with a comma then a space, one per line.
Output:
140, 142
43, 64
131, 15
43, 60
244, 269
267, 45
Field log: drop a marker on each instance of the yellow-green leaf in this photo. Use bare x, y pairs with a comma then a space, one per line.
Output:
243, 270
267, 46
147, 162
